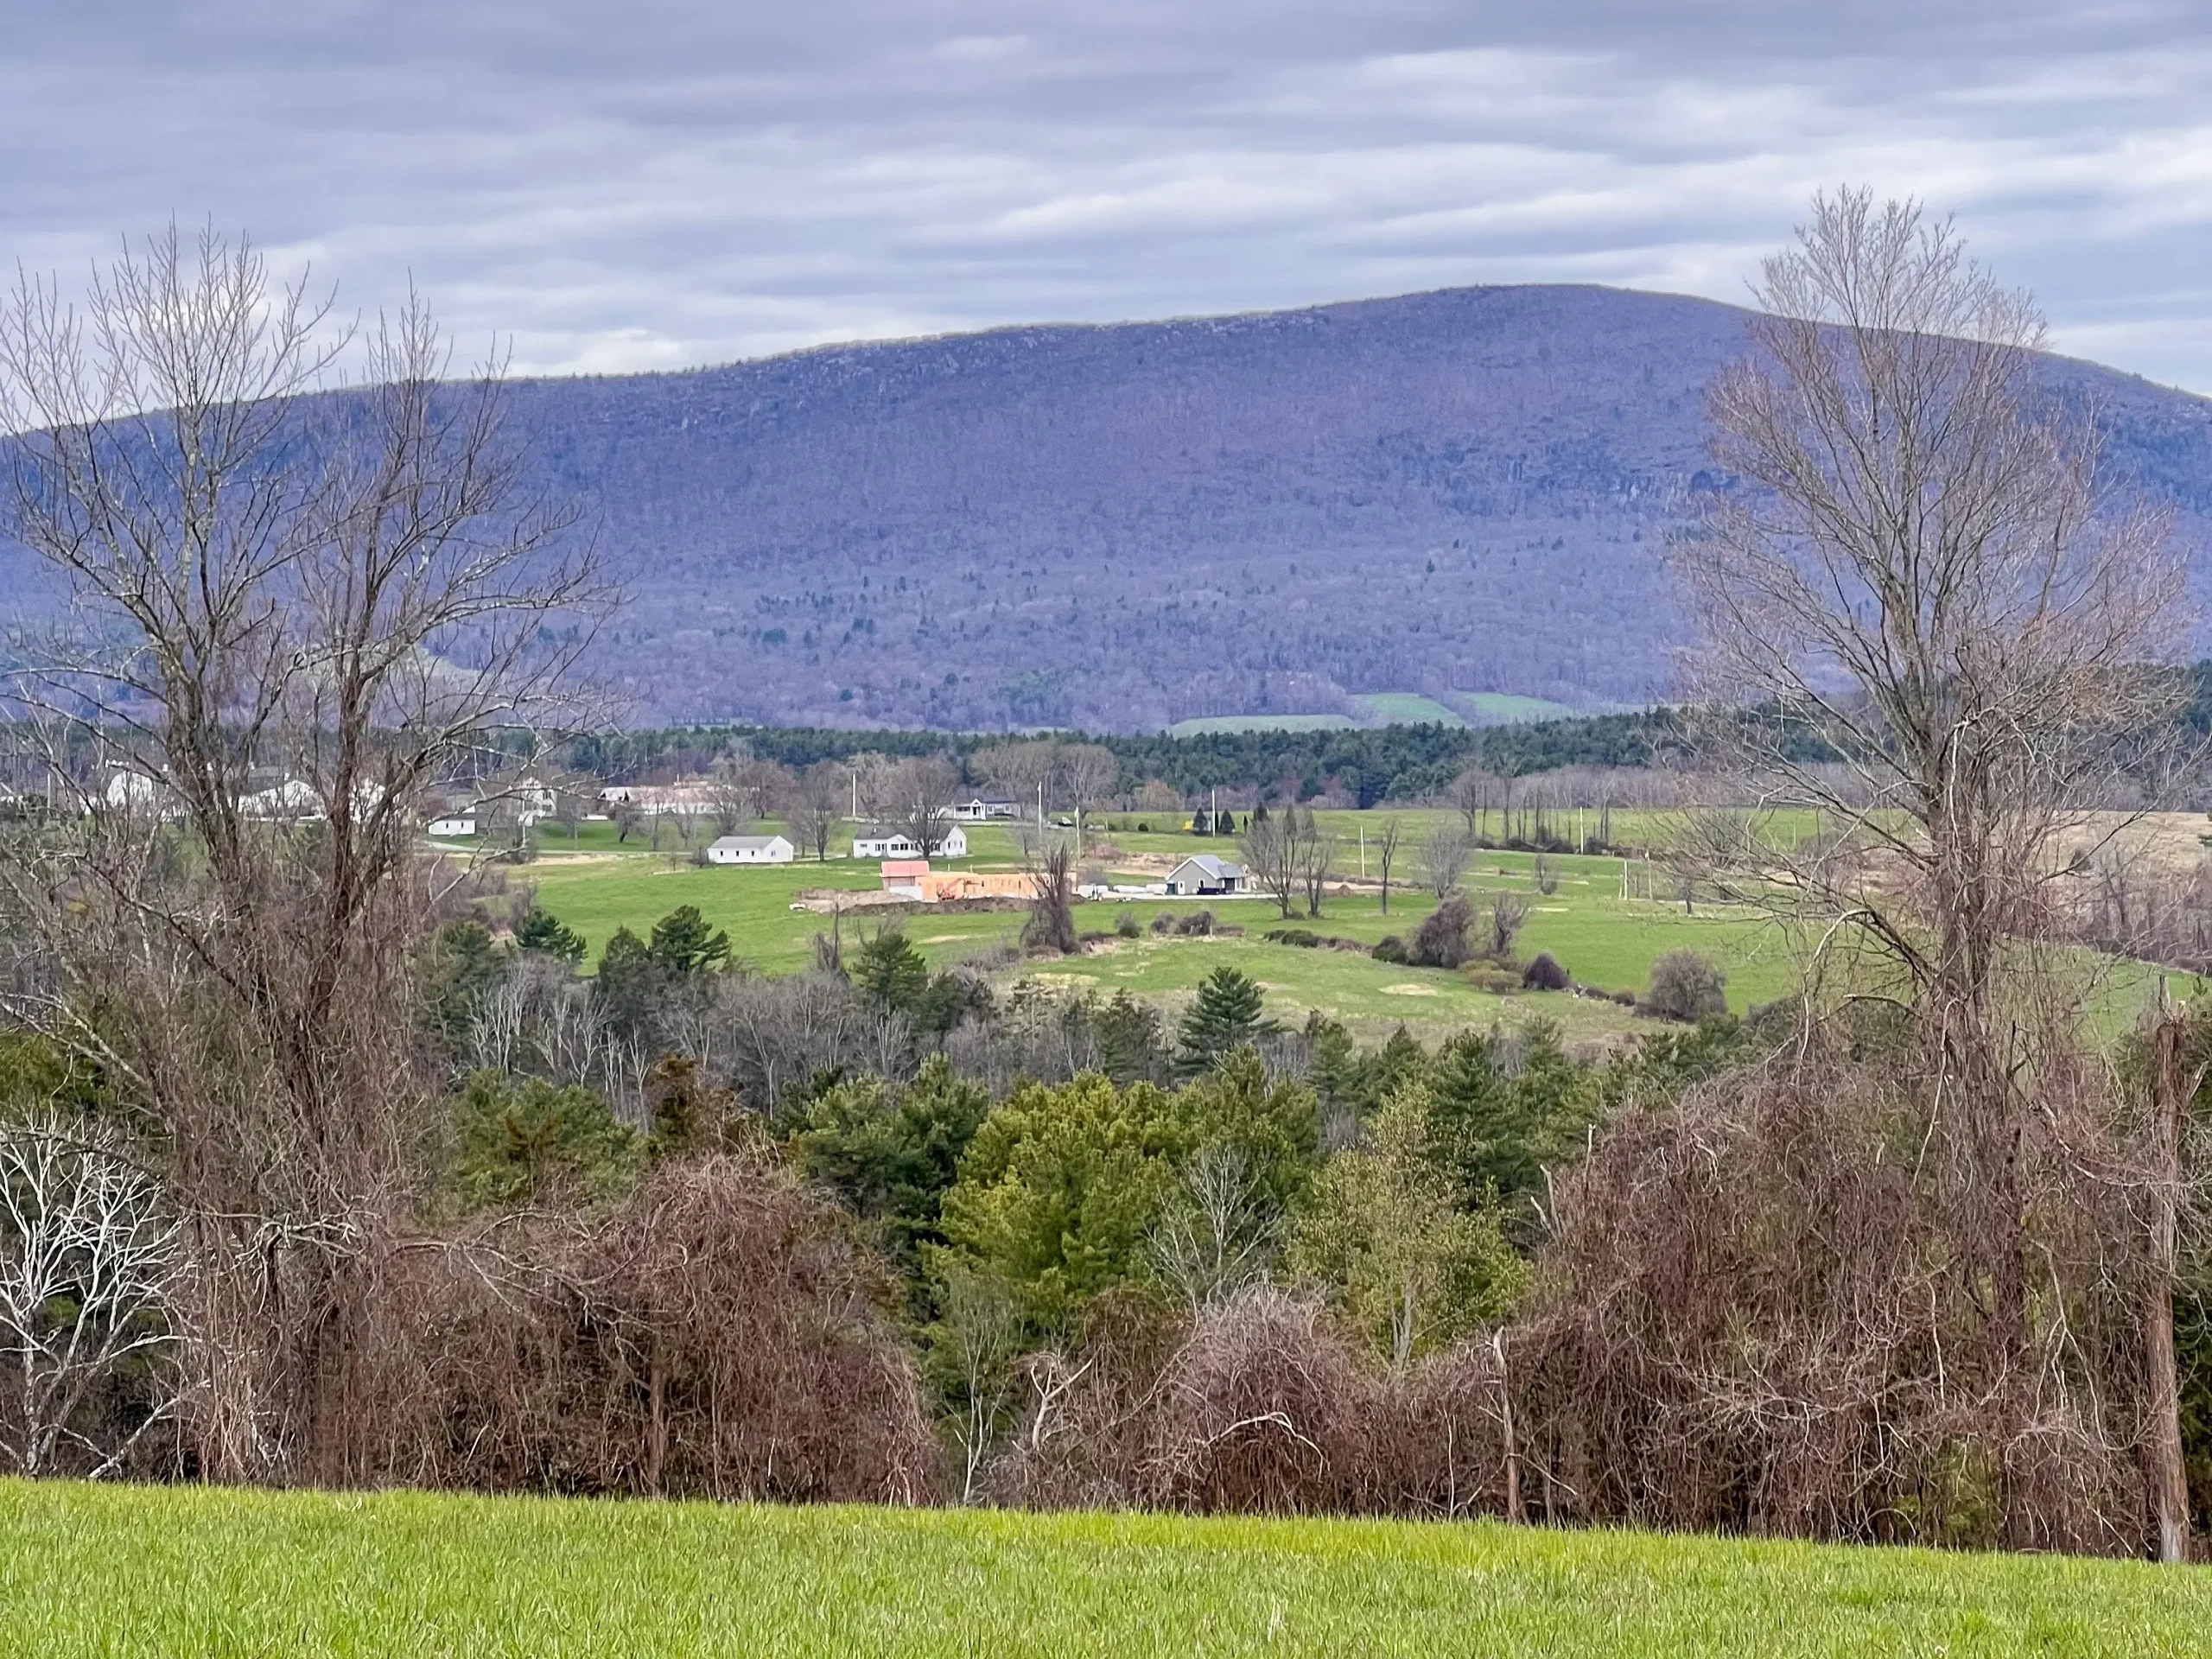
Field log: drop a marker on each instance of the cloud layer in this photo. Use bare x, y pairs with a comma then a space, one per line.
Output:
657, 184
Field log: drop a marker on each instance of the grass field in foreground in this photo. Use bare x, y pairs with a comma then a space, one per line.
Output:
120, 1571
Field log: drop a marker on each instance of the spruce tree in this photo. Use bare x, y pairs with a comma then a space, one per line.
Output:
1227, 1015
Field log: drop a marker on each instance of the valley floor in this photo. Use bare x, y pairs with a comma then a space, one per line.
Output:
155, 1571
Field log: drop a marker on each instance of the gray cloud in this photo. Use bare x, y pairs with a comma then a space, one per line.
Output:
652, 185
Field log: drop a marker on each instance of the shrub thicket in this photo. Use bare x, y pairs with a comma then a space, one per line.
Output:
1686, 986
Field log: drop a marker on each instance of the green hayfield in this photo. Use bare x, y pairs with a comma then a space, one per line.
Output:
1392, 708
122, 1571
1405, 708
1504, 709
1260, 723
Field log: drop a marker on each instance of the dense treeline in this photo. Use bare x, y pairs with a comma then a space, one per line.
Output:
879, 1232
1398, 763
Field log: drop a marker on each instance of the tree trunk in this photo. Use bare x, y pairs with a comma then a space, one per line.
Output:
2167, 1477
657, 1442
1513, 1506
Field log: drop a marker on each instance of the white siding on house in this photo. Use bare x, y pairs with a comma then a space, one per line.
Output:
897, 843
750, 849
1203, 872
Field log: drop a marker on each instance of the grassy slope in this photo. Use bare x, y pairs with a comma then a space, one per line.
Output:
1604, 940
1200, 726
1405, 708
1499, 707
122, 1571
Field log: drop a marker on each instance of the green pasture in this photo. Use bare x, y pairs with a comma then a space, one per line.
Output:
1200, 726
1405, 708
1605, 942
1607, 920
1392, 708
1503, 708
123, 1572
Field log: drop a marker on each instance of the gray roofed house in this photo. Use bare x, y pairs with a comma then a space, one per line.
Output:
1203, 873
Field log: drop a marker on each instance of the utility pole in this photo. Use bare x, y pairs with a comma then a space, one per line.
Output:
1362, 852
856, 794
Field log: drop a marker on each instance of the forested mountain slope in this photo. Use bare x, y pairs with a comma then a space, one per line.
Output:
1116, 527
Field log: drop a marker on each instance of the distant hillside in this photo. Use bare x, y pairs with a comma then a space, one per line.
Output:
1118, 528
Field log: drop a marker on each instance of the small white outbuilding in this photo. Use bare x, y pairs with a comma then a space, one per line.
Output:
750, 849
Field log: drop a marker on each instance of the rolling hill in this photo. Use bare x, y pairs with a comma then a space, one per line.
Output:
1447, 494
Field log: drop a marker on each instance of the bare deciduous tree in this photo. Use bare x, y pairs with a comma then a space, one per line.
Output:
89, 1259
1508, 911
1271, 850
1476, 793
331, 596
1316, 853
1220, 1234
1386, 850
726, 797
1089, 771
1444, 855
919, 794
763, 787
817, 803
1025, 772
1924, 571
1051, 914
979, 1325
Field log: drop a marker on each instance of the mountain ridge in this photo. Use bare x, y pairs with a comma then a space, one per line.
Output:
1120, 525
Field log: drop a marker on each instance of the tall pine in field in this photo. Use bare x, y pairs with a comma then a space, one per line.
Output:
1227, 1014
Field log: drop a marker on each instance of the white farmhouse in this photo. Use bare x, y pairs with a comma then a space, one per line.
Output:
750, 849
293, 797
898, 844
982, 809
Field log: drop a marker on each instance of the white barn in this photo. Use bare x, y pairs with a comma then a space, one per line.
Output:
750, 849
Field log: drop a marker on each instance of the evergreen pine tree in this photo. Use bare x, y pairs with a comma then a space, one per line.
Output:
629, 982
548, 935
682, 945
1129, 1045
891, 972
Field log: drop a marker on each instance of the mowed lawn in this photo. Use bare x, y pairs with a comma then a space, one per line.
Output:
124, 1570
1606, 941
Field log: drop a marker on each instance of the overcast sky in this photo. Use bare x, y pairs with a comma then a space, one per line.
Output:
660, 183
